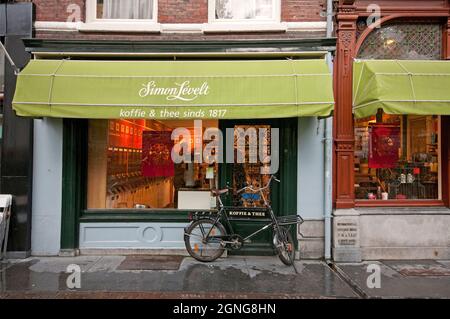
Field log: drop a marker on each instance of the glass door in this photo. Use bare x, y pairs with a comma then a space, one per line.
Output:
253, 161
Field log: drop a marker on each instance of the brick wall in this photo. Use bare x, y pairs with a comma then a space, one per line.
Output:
183, 11
59, 10
302, 10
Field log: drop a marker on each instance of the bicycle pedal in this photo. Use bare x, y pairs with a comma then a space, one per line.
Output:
248, 241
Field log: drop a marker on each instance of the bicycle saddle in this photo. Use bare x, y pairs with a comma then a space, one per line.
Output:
218, 192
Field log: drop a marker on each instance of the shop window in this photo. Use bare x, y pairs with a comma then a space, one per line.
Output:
244, 10
404, 41
397, 157
125, 9
130, 165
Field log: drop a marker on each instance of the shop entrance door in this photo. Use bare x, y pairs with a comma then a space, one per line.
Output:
253, 170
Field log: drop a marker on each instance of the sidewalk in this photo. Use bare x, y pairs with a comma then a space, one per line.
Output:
232, 277
401, 279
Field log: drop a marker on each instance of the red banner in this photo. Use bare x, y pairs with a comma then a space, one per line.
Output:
156, 159
384, 144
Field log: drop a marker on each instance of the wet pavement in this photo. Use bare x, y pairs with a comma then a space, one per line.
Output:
232, 277
400, 279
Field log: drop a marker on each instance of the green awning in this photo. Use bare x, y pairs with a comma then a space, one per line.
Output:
232, 89
401, 87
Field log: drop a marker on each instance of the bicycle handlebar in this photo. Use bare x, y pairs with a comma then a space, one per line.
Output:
258, 189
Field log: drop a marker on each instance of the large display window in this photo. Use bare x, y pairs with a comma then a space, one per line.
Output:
397, 158
130, 165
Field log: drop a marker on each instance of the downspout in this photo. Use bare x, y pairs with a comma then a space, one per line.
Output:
328, 150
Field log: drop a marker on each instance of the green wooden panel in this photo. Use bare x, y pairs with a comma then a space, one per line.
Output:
283, 195
74, 180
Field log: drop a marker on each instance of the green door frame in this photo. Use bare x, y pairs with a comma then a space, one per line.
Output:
284, 195
74, 180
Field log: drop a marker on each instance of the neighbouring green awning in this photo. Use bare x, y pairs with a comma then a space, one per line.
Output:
401, 87
232, 89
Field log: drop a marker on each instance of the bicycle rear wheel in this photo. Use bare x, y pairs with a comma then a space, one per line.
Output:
201, 246
284, 245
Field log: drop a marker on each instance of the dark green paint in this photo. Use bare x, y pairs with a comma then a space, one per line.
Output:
283, 195
74, 180
99, 46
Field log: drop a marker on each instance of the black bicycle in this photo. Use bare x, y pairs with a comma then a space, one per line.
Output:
206, 238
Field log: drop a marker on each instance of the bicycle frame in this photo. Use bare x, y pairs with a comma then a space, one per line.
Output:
223, 215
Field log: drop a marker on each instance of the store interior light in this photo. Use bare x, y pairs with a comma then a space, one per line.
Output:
389, 42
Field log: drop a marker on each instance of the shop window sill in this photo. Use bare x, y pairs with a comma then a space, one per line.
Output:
399, 203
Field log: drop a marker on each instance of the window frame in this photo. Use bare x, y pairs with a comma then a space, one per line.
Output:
95, 24
276, 13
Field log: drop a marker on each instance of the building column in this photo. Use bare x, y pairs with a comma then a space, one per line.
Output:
346, 244
447, 40
344, 135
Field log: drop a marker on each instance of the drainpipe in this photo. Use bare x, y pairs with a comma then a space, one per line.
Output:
328, 149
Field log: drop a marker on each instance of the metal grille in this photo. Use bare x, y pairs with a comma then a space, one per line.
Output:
404, 41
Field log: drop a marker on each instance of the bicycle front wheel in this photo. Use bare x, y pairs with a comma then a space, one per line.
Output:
284, 245
203, 240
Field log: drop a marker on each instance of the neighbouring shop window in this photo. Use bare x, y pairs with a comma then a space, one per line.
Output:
404, 41
126, 9
130, 165
397, 157
241, 10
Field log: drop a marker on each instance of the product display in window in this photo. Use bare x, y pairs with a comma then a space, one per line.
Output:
130, 165
397, 157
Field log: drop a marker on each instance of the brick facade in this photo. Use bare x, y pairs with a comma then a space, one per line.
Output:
302, 10
59, 10
182, 11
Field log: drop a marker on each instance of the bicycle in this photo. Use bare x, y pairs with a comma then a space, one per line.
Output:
206, 238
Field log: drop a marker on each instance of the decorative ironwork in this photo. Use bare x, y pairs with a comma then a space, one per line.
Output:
404, 41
